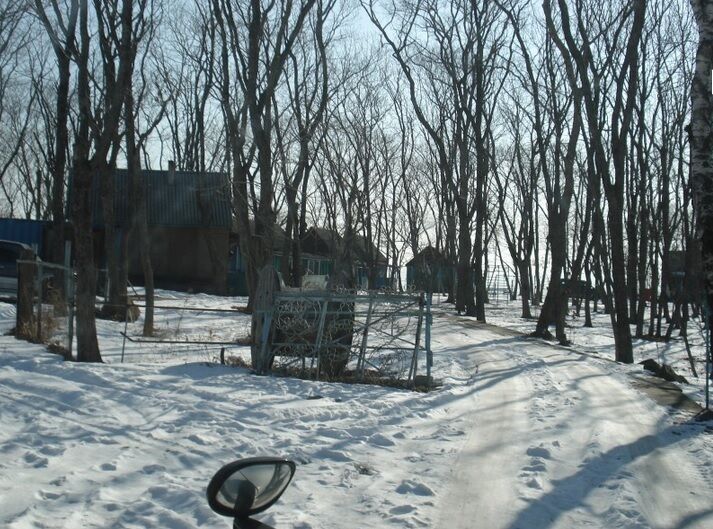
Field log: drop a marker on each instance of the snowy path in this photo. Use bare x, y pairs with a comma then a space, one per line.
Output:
520, 435
558, 439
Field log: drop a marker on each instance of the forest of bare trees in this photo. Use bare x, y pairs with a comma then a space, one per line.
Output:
569, 142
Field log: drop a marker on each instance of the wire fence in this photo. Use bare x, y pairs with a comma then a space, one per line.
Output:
184, 331
371, 336
45, 304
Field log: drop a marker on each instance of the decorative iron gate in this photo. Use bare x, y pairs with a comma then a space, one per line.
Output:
372, 336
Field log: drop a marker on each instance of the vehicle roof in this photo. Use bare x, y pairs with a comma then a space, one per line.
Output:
4, 242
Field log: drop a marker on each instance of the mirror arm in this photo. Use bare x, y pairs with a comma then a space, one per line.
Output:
249, 523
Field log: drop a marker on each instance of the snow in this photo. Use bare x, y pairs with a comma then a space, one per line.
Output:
182, 318
563, 440
599, 340
521, 434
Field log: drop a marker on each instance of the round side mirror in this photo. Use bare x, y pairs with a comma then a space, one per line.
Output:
249, 486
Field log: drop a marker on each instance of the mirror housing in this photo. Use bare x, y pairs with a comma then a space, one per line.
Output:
249, 486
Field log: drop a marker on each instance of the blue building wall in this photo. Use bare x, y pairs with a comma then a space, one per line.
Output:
31, 232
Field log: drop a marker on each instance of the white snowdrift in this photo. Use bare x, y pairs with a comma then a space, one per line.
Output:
520, 435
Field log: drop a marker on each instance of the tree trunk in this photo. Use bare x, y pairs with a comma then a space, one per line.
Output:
701, 139
525, 289
139, 217
60, 161
464, 294
87, 344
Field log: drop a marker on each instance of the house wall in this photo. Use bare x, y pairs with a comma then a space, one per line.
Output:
437, 278
237, 281
190, 258
312, 244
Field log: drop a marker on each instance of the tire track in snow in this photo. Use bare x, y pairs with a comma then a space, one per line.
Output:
592, 451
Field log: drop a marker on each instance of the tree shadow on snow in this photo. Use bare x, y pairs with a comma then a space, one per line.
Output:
571, 492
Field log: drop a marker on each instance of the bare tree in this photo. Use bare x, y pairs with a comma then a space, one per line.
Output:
308, 89
251, 64
97, 133
60, 23
136, 137
464, 67
701, 137
618, 60
15, 107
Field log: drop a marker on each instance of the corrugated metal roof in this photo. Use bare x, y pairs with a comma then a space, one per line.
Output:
187, 200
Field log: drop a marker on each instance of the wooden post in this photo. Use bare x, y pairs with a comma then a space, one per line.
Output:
25, 289
414, 359
268, 283
318, 340
429, 353
362, 350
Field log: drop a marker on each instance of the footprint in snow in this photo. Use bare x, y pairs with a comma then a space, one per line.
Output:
413, 487
197, 439
58, 482
535, 466
534, 484
300, 456
380, 440
539, 451
52, 450
48, 495
151, 469
402, 509
334, 455
36, 461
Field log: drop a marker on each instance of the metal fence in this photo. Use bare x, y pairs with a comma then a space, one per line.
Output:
374, 336
187, 331
45, 304
498, 286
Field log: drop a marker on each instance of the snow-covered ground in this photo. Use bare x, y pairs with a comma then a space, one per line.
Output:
183, 318
599, 340
521, 435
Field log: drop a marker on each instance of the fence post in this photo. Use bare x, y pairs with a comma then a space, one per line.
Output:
318, 341
38, 289
414, 359
362, 350
263, 363
268, 285
429, 353
25, 287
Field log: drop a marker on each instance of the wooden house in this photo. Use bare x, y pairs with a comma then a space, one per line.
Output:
189, 220
322, 247
430, 271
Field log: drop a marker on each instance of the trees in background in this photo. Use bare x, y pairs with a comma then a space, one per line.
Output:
455, 57
551, 144
60, 26
256, 39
